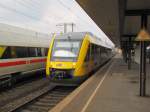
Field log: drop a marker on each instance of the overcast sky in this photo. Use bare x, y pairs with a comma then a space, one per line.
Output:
44, 15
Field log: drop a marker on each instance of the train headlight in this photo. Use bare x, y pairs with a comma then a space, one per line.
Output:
74, 64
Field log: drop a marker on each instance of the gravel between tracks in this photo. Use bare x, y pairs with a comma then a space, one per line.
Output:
21, 90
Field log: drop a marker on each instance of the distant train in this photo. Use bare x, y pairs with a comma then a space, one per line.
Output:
21, 51
73, 56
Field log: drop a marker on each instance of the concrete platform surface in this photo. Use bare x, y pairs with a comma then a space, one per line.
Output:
112, 89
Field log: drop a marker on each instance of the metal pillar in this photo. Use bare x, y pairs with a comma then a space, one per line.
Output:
143, 60
143, 69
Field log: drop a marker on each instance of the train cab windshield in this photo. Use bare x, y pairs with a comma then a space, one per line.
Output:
65, 50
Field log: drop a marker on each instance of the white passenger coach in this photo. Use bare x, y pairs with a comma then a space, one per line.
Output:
21, 51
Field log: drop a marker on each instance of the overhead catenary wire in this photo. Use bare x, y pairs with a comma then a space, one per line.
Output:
27, 6
34, 9
16, 11
77, 16
71, 11
26, 15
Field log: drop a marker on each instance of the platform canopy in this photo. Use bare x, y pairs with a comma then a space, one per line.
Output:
119, 19
46, 16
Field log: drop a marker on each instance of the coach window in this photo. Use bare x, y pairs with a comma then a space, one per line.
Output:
87, 58
103, 52
92, 51
43, 51
21, 52
95, 50
46, 51
13, 52
38, 51
99, 51
32, 52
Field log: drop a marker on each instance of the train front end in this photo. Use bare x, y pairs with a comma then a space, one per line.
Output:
63, 60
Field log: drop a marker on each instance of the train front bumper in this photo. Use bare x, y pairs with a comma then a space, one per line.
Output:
65, 76
69, 81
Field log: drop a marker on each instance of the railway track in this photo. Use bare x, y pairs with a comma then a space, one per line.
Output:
40, 99
46, 101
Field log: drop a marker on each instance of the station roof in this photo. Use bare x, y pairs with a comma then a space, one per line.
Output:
111, 16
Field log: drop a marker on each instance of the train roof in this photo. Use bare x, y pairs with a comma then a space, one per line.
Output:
72, 35
81, 35
15, 36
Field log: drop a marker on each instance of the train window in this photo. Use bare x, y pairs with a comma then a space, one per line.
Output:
32, 52
43, 51
46, 51
100, 52
13, 52
97, 50
21, 52
92, 51
87, 58
66, 50
39, 53
103, 52
5, 52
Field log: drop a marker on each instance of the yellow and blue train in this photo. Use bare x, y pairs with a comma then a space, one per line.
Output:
73, 56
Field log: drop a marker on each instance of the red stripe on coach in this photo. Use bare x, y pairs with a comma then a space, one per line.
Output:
14, 63
5, 64
38, 60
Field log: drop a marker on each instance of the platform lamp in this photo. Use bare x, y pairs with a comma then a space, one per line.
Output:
142, 37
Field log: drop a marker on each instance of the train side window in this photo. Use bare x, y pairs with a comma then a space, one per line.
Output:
96, 50
92, 51
46, 51
39, 53
43, 51
87, 58
32, 52
5, 52
103, 52
21, 52
99, 52
13, 52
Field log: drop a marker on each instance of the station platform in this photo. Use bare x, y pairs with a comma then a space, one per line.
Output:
113, 88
